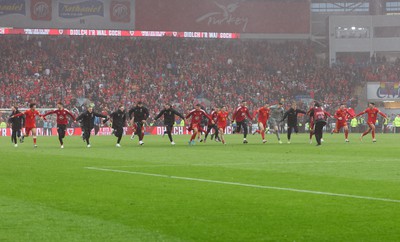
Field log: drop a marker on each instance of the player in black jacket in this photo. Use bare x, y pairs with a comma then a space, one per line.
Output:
87, 122
291, 116
169, 119
139, 115
119, 118
16, 125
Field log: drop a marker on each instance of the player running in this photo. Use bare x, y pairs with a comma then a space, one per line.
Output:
119, 118
276, 115
222, 118
169, 119
291, 116
16, 125
30, 122
197, 115
212, 125
263, 116
87, 118
320, 117
372, 112
62, 121
240, 115
341, 116
138, 116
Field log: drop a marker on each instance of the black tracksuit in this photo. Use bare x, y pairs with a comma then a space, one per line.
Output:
139, 114
118, 122
169, 119
88, 123
17, 124
291, 116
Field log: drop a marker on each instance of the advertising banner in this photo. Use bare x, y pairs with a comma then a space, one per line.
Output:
240, 16
120, 33
153, 130
383, 91
64, 14
80, 9
8, 7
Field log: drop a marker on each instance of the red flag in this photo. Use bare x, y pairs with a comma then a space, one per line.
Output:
351, 112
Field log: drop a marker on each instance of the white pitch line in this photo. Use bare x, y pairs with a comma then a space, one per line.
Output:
235, 164
247, 185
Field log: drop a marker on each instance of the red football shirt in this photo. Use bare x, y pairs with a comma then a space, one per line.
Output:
343, 114
240, 114
263, 114
197, 116
61, 115
30, 118
213, 118
222, 118
372, 114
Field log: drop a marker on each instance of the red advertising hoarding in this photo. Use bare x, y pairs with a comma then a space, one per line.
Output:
153, 130
119, 33
240, 16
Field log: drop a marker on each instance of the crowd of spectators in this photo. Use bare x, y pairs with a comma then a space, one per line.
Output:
113, 71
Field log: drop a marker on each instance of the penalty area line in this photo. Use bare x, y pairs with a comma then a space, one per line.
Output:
247, 185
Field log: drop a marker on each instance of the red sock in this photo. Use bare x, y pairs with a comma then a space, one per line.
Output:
263, 135
258, 131
34, 141
193, 136
373, 134
311, 134
346, 134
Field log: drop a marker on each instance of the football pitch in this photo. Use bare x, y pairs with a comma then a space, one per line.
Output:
206, 192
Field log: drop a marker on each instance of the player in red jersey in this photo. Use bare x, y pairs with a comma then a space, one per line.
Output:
212, 125
222, 118
240, 115
311, 126
197, 115
341, 116
263, 116
372, 112
30, 122
62, 121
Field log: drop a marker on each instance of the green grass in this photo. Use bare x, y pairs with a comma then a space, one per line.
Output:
48, 194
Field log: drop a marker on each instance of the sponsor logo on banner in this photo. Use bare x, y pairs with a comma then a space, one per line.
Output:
224, 15
12, 7
132, 33
60, 31
41, 10
120, 11
81, 9
383, 91
70, 131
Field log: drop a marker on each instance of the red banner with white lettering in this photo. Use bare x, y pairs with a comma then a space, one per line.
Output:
119, 33
153, 130
241, 16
